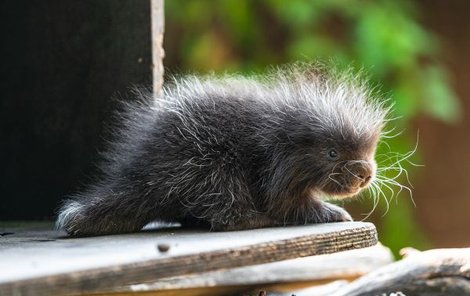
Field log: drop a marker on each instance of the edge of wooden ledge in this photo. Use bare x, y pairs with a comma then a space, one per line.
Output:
101, 279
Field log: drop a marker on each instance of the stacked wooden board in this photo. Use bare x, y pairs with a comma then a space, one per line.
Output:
36, 260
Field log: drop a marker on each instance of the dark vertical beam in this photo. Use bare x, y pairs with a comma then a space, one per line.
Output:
61, 64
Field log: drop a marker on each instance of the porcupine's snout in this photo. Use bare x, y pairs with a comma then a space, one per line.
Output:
347, 180
359, 174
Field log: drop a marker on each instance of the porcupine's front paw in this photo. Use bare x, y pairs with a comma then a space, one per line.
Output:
334, 213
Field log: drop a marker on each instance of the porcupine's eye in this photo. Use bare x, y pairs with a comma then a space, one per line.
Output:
333, 154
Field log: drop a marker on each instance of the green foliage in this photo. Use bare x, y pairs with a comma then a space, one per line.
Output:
384, 37
399, 229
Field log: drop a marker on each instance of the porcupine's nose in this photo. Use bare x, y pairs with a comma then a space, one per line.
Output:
362, 172
365, 180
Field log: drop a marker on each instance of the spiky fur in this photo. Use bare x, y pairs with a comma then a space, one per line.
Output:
232, 152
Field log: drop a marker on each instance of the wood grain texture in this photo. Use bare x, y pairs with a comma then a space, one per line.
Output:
43, 263
429, 273
348, 265
158, 27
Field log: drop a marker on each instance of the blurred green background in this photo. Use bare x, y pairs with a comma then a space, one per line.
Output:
385, 37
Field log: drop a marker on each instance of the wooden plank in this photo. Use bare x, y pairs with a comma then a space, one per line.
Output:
328, 267
41, 262
158, 26
429, 273
209, 291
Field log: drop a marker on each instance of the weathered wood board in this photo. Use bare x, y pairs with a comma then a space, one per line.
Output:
346, 265
430, 273
158, 53
43, 262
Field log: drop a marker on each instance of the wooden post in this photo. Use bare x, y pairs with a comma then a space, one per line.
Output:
158, 26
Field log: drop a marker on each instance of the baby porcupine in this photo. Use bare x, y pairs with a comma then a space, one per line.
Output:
235, 153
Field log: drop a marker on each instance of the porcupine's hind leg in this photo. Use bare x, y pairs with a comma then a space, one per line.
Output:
224, 201
102, 210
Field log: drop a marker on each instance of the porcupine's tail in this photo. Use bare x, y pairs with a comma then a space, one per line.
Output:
90, 215
70, 213
112, 204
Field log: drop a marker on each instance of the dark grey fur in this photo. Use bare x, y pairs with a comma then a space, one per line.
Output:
233, 153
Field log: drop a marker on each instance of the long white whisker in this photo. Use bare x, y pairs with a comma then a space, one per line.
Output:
373, 191
395, 163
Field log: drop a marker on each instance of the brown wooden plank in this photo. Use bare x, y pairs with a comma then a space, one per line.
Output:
42, 263
328, 267
430, 273
209, 291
